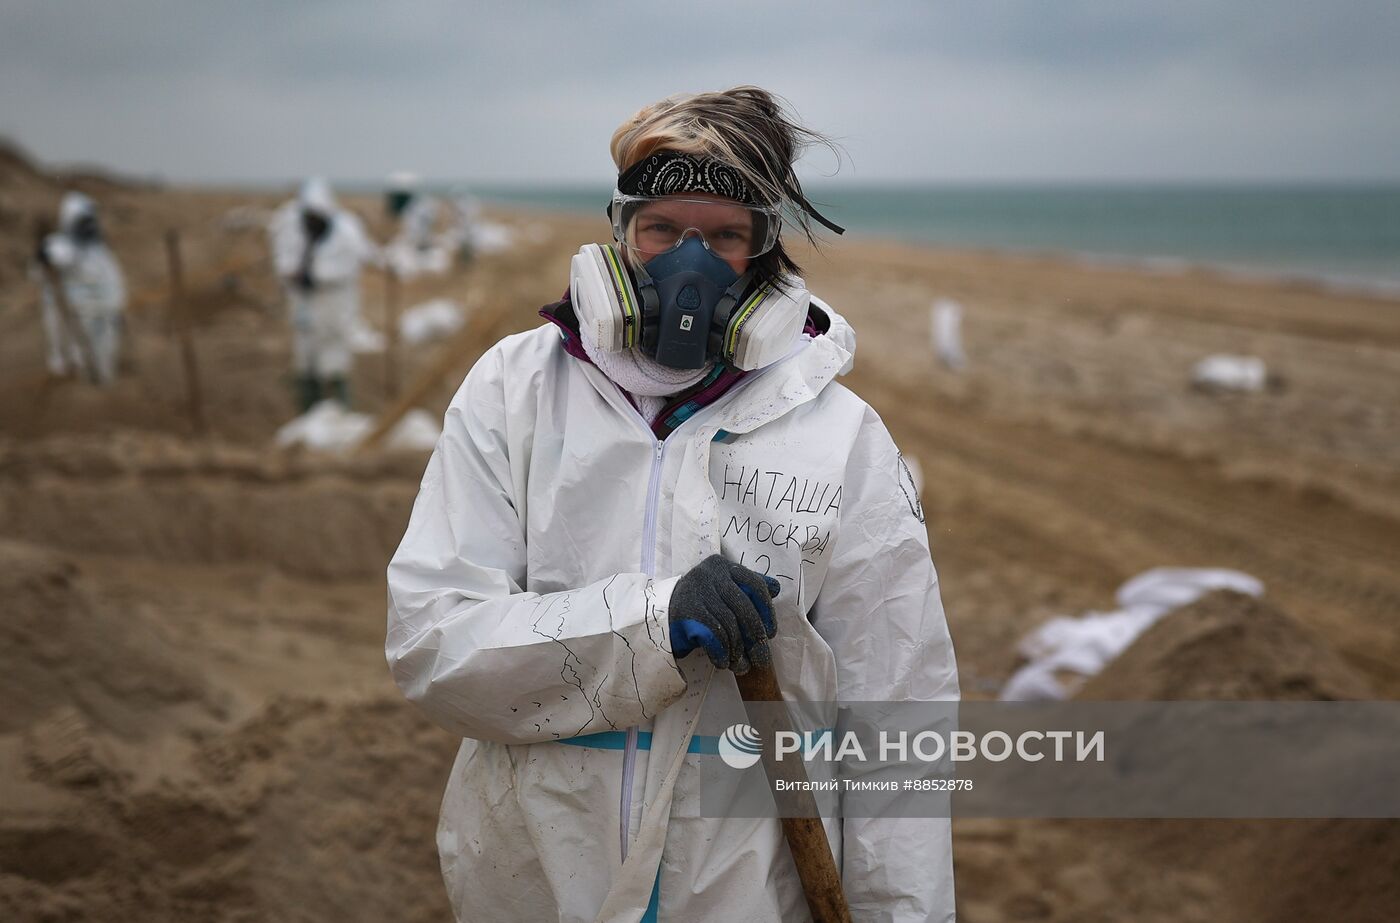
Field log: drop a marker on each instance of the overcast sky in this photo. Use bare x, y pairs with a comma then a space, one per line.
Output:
531, 89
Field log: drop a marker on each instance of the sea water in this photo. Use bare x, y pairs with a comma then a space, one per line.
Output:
1343, 235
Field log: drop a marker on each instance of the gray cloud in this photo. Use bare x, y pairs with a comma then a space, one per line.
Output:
1075, 89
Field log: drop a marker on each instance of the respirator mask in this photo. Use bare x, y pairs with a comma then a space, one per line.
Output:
314, 224
77, 217
87, 230
670, 286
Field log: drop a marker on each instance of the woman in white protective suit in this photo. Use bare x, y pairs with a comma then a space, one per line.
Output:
318, 249
631, 503
93, 287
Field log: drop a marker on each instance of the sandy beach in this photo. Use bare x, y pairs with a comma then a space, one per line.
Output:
199, 722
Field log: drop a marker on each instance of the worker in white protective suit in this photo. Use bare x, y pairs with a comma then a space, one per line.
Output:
93, 287
415, 247
318, 250
634, 502
415, 211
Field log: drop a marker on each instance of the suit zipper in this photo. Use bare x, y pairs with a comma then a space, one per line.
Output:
629, 754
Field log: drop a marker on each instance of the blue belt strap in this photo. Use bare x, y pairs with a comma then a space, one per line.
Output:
617, 740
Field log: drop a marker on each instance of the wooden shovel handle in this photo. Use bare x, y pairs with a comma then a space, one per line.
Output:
805, 835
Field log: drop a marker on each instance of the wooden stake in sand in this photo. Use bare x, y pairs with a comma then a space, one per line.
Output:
179, 321
391, 333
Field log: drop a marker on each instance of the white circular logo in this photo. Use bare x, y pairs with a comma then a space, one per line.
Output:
740, 746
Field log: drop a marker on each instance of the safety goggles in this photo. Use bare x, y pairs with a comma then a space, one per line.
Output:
655, 224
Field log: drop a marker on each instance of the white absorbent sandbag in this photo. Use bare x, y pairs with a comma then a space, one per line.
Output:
330, 427
431, 320
418, 431
1085, 644
489, 237
1230, 373
326, 427
364, 339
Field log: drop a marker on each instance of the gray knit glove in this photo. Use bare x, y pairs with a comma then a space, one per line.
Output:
725, 609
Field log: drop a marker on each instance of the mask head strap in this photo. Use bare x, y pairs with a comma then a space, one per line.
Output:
811, 209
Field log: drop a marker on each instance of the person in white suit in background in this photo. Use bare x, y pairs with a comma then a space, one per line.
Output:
318, 251
93, 287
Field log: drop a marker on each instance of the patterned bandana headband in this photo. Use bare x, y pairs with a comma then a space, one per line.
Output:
675, 173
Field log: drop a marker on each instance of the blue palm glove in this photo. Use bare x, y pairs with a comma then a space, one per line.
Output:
726, 610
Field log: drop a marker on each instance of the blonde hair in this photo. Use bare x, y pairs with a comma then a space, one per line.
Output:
746, 127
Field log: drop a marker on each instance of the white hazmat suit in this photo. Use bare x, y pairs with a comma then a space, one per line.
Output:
416, 248
528, 613
93, 287
325, 313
